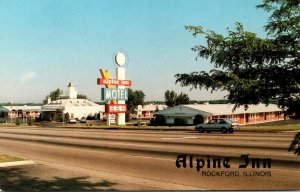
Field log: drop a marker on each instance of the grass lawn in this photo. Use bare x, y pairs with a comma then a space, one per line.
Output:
288, 125
6, 158
271, 128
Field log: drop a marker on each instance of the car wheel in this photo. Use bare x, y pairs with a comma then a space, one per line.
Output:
208, 131
201, 130
224, 130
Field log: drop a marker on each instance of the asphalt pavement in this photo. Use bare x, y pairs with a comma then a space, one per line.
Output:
146, 160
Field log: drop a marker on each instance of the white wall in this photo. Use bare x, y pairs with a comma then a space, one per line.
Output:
83, 111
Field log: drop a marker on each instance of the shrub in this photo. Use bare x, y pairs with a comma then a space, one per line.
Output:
17, 121
67, 117
29, 121
127, 117
159, 120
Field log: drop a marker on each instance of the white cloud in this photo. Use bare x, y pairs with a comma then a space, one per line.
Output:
28, 76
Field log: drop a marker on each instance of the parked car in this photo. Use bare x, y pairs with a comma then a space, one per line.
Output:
223, 125
83, 120
72, 121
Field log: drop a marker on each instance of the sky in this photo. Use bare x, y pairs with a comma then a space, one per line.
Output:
45, 44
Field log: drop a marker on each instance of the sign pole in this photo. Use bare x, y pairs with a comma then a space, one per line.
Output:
108, 119
121, 76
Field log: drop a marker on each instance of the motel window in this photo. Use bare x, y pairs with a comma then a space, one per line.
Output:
251, 116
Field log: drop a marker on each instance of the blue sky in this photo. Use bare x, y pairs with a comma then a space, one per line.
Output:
44, 44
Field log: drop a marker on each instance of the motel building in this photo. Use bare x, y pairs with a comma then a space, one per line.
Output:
202, 113
13, 112
54, 110
77, 108
147, 111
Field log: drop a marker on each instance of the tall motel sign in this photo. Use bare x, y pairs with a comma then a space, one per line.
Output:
115, 94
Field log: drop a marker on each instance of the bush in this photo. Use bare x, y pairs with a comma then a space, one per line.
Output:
90, 117
159, 120
17, 121
127, 117
59, 118
67, 117
29, 121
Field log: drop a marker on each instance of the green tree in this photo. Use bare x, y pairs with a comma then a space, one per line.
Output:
182, 98
54, 95
173, 99
82, 96
170, 98
135, 98
250, 68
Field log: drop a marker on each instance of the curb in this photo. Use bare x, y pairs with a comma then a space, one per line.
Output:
16, 163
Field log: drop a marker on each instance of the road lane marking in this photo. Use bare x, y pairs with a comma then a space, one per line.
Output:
179, 138
190, 137
172, 138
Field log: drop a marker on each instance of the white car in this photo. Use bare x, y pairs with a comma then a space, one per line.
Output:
72, 121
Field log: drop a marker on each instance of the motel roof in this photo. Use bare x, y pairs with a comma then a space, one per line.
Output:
218, 109
226, 109
22, 107
71, 103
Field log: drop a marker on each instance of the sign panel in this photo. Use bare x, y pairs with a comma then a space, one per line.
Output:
112, 118
109, 94
115, 82
116, 108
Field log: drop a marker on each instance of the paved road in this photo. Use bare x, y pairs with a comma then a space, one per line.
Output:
147, 159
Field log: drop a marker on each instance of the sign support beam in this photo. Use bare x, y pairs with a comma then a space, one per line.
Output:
120, 76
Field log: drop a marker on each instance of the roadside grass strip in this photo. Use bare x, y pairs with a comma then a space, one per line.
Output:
6, 158
253, 128
295, 128
276, 126
10, 161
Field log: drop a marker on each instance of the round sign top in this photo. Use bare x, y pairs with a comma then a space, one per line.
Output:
120, 59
